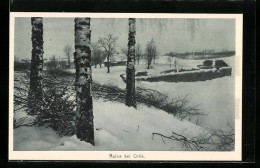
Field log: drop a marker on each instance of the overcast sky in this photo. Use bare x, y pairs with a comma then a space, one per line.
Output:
170, 34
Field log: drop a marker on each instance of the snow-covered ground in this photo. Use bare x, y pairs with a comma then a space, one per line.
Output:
214, 97
117, 127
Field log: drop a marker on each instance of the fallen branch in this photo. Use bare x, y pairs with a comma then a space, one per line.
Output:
217, 140
22, 122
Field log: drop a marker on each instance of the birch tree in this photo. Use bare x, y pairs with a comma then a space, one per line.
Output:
35, 95
82, 56
130, 69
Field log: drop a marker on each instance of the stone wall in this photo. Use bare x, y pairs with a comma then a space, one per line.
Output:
190, 76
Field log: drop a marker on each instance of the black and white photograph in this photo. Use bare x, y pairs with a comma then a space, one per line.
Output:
104, 86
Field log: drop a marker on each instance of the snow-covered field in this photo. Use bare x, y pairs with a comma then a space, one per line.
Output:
214, 97
117, 127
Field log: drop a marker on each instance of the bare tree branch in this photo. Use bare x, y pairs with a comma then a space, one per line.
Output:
214, 140
108, 43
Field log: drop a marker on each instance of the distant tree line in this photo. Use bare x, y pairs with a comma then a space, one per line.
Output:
201, 54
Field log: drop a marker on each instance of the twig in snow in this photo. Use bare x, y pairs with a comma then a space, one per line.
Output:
137, 129
125, 131
215, 140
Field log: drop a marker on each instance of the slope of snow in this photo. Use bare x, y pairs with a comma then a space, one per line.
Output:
117, 127
214, 97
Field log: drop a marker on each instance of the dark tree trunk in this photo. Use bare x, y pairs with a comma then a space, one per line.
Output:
149, 61
108, 64
69, 62
130, 69
82, 59
35, 94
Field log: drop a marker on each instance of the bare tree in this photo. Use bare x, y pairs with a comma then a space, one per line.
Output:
150, 53
192, 26
170, 61
68, 53
130, 68
101, 59
175, 63
154, 53
35, 95
84, 122
138, 53
108, 43
97, 55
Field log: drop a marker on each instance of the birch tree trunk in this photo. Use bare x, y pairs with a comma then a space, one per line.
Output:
35, 95
130, 69
82, 59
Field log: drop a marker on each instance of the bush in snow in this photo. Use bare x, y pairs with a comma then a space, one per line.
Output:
58, 108
58, 111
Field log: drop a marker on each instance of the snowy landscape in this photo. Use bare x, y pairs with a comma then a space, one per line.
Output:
131, 129
168, 116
